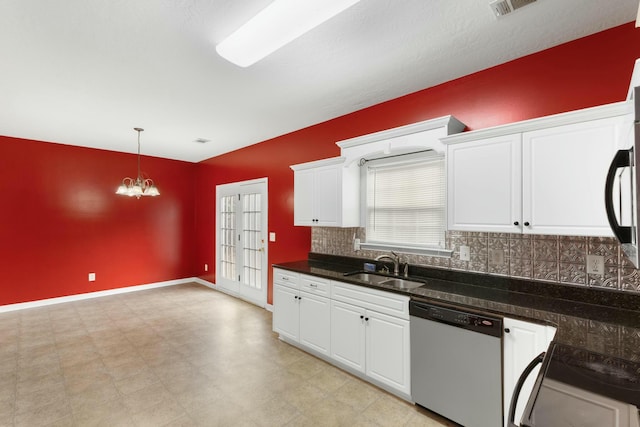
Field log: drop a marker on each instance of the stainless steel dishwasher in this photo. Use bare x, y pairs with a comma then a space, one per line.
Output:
456, 363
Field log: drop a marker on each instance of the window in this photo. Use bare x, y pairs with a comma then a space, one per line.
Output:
405, 203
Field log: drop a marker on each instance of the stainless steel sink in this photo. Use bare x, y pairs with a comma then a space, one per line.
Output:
401, 283
376, 279
368, 277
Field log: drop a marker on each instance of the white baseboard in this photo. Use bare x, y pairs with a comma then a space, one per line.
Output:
205, 283
97, 294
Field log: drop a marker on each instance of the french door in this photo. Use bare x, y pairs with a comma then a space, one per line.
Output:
241, 244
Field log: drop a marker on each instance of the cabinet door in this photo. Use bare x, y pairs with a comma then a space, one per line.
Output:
327, 196
564, 171
315, 325
286, 312
484, 185
388, 352
303, 195
521, 345
348, 335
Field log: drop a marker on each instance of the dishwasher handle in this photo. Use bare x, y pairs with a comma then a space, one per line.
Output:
516, 392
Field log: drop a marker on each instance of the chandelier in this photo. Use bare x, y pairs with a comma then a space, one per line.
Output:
139, 186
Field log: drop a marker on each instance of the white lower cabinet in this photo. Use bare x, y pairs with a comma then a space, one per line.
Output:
387, 350
522, 342
315, 317
371, 343
363, 330
348, 340
286, 317
302, 316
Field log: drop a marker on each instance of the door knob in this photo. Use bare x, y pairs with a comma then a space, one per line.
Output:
516, 223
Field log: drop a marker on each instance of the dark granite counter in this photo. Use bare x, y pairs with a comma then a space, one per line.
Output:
597, 329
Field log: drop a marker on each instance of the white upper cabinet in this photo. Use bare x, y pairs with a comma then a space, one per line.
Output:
484, 184
564, 172
541, 176
326, 193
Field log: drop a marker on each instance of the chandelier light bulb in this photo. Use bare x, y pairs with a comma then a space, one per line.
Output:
139, 186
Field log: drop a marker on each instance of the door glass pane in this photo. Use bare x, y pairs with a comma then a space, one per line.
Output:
252, 254
227, 237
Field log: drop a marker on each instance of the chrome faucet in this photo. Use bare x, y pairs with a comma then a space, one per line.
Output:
396, 261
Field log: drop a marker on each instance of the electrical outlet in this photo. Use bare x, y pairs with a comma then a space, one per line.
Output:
206, 267
595, 264
465, 253
496, 257
356, 244
92, 277
272, 236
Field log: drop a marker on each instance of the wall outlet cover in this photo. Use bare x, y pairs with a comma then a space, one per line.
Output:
356, 244
595, 264
465, 253
272, 236
92, 277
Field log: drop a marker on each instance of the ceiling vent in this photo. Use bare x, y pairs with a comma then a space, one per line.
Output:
504, 7
201, 140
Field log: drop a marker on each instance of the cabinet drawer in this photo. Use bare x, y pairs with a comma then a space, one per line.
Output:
287, 278
373, 299
314, 285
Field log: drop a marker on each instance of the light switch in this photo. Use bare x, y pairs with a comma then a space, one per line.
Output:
272, 236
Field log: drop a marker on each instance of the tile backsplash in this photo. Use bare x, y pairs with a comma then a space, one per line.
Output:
558, 259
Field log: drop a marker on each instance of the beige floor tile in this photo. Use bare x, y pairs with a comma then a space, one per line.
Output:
44, 415
136, 382
388, 410
176, 356
357, 394
330, 380
275, 412
160, 414
106, 413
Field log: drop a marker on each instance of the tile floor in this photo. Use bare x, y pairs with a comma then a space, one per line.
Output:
177, 356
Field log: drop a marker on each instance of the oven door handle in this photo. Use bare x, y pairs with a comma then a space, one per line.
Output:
516, 392
620, 160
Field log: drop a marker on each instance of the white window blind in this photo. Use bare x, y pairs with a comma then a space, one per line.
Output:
406, 203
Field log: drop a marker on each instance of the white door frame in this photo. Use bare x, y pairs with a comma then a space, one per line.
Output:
235, 287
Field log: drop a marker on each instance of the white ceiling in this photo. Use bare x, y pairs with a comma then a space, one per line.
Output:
85, 72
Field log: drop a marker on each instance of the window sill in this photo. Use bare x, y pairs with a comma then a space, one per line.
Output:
434, 252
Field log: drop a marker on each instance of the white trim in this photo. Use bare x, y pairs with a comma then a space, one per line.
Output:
318, 163
269, 307
97, 294
206, 283
578, 116
451, 124
434, 252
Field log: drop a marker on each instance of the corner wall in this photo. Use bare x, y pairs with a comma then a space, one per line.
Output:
61, 219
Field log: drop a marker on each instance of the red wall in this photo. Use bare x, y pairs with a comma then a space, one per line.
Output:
60, 220
590, 71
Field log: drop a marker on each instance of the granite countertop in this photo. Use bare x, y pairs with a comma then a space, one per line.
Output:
597, 328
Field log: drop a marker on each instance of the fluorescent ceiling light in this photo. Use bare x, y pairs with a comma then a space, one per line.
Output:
276, 25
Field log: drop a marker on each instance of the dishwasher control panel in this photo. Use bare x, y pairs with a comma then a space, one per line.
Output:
482, 323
